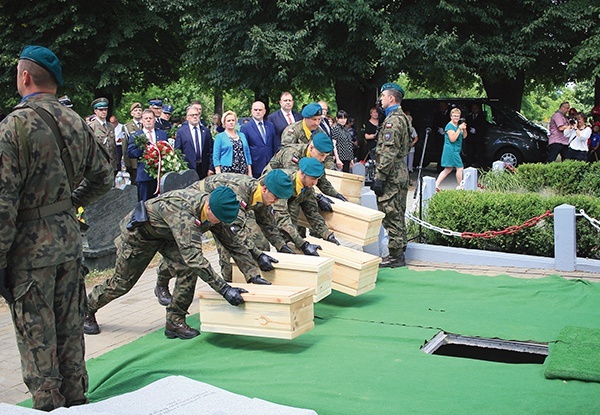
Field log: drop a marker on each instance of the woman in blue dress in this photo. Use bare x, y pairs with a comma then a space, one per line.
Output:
231, 153
455, 132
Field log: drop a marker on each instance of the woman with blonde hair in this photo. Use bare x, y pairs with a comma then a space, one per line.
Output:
231, 152
455, 132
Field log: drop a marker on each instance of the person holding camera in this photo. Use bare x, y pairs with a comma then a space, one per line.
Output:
578, 135
558, 143
455, 132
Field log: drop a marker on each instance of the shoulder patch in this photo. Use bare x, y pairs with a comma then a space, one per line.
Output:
295, 160
198, 222
387, 136
389, 125
243, 204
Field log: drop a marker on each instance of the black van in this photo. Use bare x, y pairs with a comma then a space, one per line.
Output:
508, 136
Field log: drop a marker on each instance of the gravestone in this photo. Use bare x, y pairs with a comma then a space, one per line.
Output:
103, 217
181, 180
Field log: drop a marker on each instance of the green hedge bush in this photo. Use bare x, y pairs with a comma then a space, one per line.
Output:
480, 211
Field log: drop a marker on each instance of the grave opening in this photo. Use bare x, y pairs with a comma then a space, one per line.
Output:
480, 348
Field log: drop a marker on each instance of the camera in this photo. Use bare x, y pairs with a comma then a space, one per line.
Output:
461, 121
572, 121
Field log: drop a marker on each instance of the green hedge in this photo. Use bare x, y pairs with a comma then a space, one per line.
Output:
480, 211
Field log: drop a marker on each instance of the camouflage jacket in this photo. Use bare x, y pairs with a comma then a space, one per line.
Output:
174, 216
244, 187
130, 128
32, 175
287, 212
295, 134
288, 158
105, 134
392, 145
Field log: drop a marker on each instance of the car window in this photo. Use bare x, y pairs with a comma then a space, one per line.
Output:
487, 110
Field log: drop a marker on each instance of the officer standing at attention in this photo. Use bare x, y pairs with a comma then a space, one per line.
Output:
173, 224
40, 240
105, 131
391, 178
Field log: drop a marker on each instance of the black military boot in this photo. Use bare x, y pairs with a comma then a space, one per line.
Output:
163, 295
181, 330
90, 325
393, 261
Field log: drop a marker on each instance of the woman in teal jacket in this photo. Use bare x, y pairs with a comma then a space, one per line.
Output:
231, 152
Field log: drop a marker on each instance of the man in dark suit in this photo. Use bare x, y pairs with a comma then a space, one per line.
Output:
146, 184
285, 116
324, 122
476, 123
195, 142
261, 138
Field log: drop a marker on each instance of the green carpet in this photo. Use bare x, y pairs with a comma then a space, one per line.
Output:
363, 355
575, 355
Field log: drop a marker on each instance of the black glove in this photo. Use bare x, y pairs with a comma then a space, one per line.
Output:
324, 203
341, 197
258, 280
287, 250
377, 187
331, 238
265, 262
233, 295
310, 249
4, 292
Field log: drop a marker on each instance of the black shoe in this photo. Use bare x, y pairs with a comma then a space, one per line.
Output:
163, 295
180, 330
90, 325
258, 280
393, 261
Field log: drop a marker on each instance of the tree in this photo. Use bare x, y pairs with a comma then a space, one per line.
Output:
107, 47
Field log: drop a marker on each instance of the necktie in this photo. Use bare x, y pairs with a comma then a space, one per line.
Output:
263, 133
139, 125
198, 149
289, 117
151, 138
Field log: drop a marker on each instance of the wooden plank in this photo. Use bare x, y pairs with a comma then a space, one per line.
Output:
348, 184
354, 223
268, 311
297, 270
354, 272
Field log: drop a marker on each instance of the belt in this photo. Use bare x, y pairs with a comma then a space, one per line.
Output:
44, 211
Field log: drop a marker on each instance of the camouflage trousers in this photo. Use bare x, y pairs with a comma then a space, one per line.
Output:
134, 253
48, 319
394, 208
251, 231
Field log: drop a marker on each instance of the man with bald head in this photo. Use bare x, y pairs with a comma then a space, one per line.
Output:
261, 137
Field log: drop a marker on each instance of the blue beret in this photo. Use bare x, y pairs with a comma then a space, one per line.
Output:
311, 167
155, 102
45, 58
167, 109
392, 85
322, 142
279, 184
311, 110
100, 103
223, 204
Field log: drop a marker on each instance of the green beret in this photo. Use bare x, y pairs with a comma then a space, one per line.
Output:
311, 110
392, 85
45, 58
223, 204
322, 142
311, 167
100, 103
279, 184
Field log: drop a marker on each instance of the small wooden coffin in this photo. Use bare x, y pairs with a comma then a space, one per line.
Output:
354, 272
354, 223
297, 270
348, 184
282, 312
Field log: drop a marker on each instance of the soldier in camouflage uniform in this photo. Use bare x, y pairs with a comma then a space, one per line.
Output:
304, 198
131, 127
319, 147
391, 178
255, 221
105, 132
40, 240
173, 224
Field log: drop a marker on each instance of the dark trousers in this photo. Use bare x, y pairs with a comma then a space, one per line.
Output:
146, 189
577, 155
554, 150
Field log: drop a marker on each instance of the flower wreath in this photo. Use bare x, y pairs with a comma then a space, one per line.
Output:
160, 158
